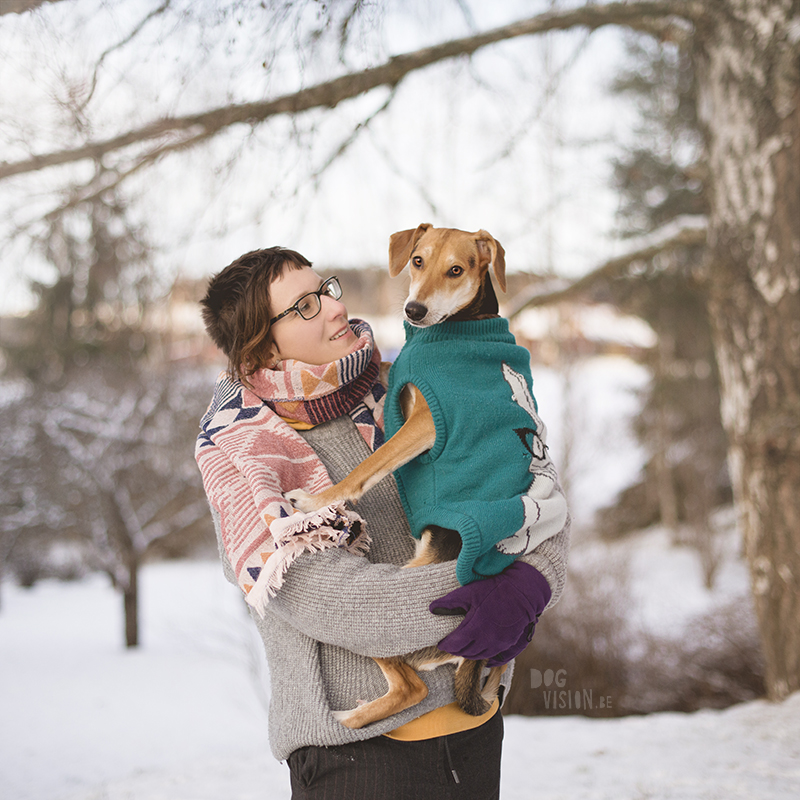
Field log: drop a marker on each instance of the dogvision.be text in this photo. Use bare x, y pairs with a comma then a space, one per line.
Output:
562, 698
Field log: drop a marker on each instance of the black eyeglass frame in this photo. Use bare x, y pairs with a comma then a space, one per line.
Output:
332, 282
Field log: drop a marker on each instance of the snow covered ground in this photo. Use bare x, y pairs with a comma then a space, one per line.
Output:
182, 717
594, 405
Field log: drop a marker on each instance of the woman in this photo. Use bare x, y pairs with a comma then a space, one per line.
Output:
300, 406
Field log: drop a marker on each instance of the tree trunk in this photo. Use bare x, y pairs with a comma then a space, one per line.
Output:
748, 64
131, 604
667, 496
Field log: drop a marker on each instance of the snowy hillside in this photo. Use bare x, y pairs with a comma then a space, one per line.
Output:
181, 718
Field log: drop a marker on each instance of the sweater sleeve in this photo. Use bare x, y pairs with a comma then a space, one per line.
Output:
376, 610
381, 610
551, 558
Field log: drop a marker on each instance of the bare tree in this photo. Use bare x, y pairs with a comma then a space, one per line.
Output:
98, 454
745, 53
102, 463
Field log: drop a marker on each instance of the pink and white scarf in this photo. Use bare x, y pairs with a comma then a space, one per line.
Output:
250, 453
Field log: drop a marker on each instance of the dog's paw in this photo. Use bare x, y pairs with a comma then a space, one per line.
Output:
347, 718
302, 500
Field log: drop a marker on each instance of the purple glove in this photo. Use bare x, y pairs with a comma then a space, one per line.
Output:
501, 613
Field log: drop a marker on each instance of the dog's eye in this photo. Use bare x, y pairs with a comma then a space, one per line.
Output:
417, 261
456, 271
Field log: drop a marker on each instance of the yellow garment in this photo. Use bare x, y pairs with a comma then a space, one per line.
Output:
440, 722
298, 425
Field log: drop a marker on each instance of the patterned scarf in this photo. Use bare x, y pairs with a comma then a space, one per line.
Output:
250, 454
306, 395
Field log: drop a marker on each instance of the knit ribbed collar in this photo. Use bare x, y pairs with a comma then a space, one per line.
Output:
478, 329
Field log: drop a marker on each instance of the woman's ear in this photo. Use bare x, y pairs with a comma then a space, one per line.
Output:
272, 356
400, 246
265, 356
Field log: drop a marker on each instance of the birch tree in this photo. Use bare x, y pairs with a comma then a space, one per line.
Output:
746, 55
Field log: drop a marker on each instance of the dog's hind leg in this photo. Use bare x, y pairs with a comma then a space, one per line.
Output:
492, 685
472, 699
435, 546
406, 689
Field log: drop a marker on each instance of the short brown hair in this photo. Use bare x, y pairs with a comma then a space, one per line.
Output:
236, 308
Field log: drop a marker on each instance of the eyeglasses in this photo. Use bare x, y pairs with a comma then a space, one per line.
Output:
309, 305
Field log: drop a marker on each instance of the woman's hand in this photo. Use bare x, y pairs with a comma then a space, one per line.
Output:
500, 614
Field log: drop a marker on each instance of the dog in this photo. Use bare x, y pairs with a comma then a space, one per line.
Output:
450, 282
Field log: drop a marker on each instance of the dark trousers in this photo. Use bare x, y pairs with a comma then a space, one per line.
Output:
462, 766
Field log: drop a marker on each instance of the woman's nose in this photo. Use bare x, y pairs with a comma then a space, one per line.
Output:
334, 308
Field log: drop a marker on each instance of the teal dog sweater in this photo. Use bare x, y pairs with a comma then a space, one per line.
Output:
477, 382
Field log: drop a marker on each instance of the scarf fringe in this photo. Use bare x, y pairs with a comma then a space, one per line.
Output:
332, 526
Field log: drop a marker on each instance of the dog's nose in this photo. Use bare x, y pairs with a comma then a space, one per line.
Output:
415, 311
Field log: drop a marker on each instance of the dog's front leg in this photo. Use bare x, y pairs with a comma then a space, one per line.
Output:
417, 435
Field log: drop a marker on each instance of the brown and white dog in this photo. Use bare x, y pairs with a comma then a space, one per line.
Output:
449, 281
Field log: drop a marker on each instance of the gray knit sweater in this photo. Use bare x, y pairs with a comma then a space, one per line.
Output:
336, 610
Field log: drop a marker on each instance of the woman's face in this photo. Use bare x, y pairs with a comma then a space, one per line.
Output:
327, 337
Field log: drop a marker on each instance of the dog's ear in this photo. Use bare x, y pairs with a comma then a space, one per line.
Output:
400, 246
491, 250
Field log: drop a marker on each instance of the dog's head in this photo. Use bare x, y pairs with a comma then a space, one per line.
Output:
448, 270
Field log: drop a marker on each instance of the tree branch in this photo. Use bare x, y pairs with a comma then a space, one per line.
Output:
108, 51
689, 233
665, 19
182, 519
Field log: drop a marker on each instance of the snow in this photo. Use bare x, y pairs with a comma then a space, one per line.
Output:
86, 711
670, 576
666, 577
181, 717
588, 412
